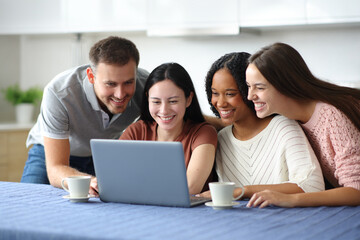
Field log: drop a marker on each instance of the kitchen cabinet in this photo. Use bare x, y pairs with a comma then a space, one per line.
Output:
31, 17
188, 17
68, 16
258, 13
169, 18
333, 11
263, 13
13, 152
105, 15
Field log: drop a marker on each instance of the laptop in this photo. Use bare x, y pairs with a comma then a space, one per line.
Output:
142, 172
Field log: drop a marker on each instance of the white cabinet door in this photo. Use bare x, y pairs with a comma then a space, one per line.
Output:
106, 15
258, 13
35, 16
192, 17
333, 11
64, 16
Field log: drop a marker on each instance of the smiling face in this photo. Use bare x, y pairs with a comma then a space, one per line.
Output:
267, 99
114, 85
227, 99
167, 105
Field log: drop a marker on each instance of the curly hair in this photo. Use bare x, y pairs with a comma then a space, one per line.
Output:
236, 63
114, 50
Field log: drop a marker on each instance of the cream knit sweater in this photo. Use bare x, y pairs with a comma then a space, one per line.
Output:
280, 153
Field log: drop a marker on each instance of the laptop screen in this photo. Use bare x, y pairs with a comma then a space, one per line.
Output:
141, 172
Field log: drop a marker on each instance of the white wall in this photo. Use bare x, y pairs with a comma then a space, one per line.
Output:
331, 53
9, 72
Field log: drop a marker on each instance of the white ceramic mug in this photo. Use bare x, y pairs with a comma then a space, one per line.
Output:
222, 193
78, 186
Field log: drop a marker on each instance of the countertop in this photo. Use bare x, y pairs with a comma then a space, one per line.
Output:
15, 126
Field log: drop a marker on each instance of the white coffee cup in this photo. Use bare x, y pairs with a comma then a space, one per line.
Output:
222, 193
78, 186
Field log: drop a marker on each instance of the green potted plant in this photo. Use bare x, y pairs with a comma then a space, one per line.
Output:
23, 100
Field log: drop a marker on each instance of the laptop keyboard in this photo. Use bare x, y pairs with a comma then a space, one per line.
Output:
194, 199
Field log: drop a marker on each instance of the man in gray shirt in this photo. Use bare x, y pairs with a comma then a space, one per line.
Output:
90, 101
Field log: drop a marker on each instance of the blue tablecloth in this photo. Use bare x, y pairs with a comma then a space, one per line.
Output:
36, 211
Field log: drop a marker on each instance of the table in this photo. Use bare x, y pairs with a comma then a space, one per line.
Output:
37, 211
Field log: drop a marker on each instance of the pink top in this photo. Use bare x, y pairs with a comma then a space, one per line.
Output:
336, 142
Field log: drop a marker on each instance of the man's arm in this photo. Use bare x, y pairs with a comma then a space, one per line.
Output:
57, 155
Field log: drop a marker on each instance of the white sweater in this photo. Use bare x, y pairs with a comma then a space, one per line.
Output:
280, 153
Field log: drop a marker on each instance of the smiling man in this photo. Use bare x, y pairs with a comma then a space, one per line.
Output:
90, 101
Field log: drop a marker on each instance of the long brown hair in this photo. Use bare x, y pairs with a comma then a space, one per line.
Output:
287, 71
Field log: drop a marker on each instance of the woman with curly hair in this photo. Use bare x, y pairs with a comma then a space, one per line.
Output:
257, 154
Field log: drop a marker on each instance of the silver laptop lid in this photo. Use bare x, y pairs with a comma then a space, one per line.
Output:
141, 172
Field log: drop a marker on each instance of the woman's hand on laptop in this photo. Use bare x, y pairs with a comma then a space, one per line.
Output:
94, 187
205, 194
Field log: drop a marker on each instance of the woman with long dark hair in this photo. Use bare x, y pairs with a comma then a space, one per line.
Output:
270, 153
170, 111
280, 82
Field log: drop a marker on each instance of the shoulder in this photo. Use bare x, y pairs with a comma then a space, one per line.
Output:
331, 112
141, 74
283, 129
226, 137
69, 78
66, 85
200, 133
327, 116
202, 128
226, 131
281, 122
323, 113
325, 107
337, 124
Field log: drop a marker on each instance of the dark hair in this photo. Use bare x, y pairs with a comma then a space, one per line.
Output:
287, 71
236, 63
114, 50
181, 78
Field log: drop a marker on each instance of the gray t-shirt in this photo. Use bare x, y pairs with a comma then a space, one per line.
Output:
70, 110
